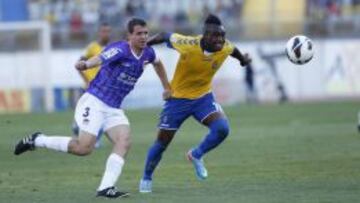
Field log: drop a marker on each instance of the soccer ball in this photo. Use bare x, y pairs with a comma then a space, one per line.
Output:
299, 49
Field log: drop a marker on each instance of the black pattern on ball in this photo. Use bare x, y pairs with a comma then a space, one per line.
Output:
297, 47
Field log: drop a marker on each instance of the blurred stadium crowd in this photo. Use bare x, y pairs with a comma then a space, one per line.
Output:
78, 19
74, 22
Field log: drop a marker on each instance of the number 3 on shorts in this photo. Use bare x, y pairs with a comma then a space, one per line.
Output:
86, 113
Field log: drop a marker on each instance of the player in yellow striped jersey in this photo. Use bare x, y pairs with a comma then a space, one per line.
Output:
200, 58
94, 49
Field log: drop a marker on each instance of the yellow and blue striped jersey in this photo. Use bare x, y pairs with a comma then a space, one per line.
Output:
195, 69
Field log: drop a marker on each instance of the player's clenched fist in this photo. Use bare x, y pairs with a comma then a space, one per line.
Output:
245, 60
166, 94
81, 65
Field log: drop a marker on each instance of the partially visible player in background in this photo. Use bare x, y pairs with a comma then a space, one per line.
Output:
94, 49
358, 126
250, 88
200, 58
122, 64
270, 60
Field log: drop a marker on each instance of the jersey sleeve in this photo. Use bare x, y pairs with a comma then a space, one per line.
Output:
229, 47
181, 43
111, 54
153, 56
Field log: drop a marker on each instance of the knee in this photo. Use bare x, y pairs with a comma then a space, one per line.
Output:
123, 143
75, 147
164, 138
83, 150
221, 127
163, 143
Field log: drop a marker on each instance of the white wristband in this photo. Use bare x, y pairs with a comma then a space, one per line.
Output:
87, 64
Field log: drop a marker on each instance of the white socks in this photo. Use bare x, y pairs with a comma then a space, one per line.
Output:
114, 162
112, 172
56, 143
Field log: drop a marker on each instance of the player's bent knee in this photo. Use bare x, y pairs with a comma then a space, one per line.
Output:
221, 127
165, 137
84, 151
80, 150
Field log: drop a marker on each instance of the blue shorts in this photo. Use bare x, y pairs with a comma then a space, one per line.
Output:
176, 111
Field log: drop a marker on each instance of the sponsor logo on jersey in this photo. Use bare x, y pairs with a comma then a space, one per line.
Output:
111, 52
127, 79
126, 64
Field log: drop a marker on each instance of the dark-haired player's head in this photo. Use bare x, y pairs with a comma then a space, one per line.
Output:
104, 33
213, 34
137, 32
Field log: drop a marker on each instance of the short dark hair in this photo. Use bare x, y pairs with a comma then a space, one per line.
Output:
212, 19
133, 22
213, 24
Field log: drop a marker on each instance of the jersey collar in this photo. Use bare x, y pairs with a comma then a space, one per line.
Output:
134, 54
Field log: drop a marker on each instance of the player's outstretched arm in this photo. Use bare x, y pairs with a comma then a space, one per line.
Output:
90, 63
160, 71
82, 74
243, 58
158, 38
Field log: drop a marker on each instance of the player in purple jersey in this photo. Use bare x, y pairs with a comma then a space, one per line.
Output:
122, 64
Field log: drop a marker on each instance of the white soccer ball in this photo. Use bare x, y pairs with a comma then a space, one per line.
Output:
299, 49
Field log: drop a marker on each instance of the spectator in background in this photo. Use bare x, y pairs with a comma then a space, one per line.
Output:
332, 14
77, 19
166, 22
321, 15
61, 26
181, 17
129, 9
140, 10
221, 10
181, 21
237, 8
90, 18
270, 60
358, 127
136, 8
249, 80
333, 8
111, 13
76, 24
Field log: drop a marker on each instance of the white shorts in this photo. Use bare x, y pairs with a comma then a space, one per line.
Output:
92, 115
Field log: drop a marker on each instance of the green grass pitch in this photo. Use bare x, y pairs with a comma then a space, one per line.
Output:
275, 153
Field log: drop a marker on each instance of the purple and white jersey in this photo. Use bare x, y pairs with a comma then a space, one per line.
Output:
119, 72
